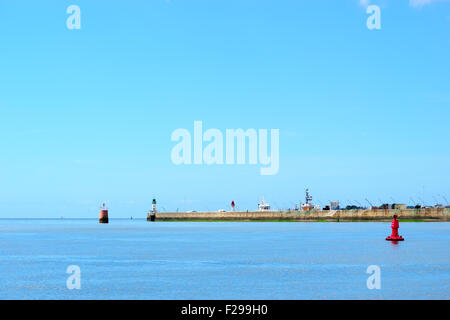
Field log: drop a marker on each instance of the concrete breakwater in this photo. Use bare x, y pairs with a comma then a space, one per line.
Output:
427, 214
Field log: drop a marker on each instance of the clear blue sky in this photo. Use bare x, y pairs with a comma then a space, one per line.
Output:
86, 115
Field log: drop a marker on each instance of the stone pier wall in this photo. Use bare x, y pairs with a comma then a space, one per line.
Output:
430, 214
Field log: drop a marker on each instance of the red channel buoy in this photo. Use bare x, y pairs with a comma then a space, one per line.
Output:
103, 217
395, 236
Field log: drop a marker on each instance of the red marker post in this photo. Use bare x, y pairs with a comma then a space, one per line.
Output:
395, 236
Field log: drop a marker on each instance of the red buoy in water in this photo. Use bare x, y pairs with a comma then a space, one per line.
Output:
103, 217
395, 236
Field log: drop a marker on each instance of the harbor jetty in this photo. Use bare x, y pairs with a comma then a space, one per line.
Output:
421, 214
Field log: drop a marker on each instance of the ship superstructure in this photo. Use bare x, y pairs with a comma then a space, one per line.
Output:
263, 206
308, 206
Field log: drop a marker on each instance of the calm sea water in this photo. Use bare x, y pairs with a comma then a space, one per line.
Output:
134, 259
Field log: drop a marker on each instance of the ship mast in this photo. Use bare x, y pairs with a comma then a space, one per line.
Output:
308, 197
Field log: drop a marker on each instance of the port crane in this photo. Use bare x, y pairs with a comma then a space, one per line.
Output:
360, 205
444, 198
421, 201
436, 200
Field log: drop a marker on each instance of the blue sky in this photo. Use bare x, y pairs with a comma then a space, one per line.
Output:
86, 115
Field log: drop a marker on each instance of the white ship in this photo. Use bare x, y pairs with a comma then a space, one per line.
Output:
308, 206
263, 206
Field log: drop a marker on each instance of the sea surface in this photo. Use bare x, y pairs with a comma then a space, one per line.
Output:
136, 259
